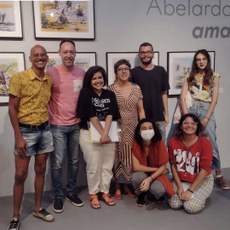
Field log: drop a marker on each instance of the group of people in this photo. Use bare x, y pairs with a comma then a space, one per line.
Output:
54, 113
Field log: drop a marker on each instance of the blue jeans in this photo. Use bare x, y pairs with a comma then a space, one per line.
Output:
199, 108
38, 141
66, 142
171, 133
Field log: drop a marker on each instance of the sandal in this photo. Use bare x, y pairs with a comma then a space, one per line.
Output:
129, 192
118, 195
94, 202
107, 199
132, 195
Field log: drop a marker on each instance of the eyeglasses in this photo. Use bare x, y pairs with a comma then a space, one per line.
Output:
142, 53
123, 69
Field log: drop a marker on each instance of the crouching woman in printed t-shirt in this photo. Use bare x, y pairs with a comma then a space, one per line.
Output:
190, 156
150, 158
96, 104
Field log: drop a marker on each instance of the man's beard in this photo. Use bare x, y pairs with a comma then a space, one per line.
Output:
146, 62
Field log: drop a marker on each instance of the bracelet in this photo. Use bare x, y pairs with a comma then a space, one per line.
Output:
206, 117
190, 190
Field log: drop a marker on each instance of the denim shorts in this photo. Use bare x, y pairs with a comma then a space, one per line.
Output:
38, 140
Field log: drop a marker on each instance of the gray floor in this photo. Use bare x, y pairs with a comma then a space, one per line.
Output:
125, 215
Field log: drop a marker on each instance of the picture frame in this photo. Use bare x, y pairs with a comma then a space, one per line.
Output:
10, 63
132, 57
10, 20
83, 59
178, 65
64, 19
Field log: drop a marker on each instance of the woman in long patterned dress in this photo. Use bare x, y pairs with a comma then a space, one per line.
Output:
130, 104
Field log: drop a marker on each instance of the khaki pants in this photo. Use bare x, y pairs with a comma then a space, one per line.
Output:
99, 160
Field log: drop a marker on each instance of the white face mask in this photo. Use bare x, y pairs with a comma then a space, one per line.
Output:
147, 134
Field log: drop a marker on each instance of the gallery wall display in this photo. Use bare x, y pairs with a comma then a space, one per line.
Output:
178, 65
10, 63
64, 19
83, 59
132, 57
10, 20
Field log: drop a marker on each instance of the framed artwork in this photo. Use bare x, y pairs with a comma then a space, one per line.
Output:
10, 63
64, 19
10, 19
179, 64
83, 59
132, 57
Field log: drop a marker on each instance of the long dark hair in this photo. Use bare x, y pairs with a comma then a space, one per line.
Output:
199, 130
208, 72
90, 73
137, 136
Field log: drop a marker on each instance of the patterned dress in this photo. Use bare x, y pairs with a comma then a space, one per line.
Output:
129, 119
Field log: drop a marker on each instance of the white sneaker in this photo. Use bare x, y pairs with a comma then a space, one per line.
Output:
14, 224
44, 215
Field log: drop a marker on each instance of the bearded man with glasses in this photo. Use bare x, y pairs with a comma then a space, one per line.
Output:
153, 81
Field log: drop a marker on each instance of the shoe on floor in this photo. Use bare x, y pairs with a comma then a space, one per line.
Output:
107, 199
128, 190
44, 215
131, 194
14, 224
118, 195
94, 202
58, 205
75, 200
150, 197
141, 199
221, 182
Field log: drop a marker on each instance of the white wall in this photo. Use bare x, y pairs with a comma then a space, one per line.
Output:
121, 26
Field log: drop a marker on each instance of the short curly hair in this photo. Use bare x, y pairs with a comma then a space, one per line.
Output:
199, 130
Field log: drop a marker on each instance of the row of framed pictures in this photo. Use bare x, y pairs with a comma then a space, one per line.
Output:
11, 63
52, 19
178, 64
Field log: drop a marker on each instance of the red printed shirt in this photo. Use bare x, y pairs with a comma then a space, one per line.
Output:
189, 161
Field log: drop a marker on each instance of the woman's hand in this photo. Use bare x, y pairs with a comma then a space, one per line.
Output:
105, 139
186, 195
145, 184
180, 191
204, 122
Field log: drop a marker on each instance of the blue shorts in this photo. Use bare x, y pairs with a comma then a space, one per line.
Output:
38, 140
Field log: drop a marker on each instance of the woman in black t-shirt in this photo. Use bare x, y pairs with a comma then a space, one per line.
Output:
96, 104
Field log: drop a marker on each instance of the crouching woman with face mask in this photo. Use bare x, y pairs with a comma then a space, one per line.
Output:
149, 158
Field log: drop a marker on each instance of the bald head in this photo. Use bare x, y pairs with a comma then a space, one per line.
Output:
38, 57
37, 47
